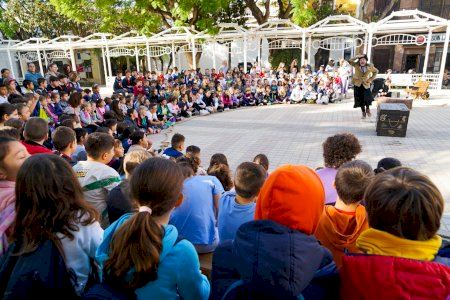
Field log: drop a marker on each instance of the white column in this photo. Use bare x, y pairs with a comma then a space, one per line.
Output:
427, 52
214, 54
444, 55
45, 59
105, 70
108, 59
21, 68
245, 54
369, 45
149, 60
72, 59
303, 47
365, 43
194, 54
40, 62
259, 52
136, 53
173, 56
11, 67
309, 49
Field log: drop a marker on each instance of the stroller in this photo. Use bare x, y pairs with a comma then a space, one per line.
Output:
379, 88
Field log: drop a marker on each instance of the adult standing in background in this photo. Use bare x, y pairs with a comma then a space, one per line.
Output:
345, 71
32, 75
52, 70
363, 76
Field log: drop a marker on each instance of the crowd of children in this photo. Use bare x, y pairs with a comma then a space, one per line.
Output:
89, 210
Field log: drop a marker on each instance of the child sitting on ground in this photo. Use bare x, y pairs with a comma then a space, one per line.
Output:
262, 160
404, 209
177, 146
341, 224
141, 252
118, 201
238, 207
35, 134
12, 156
51, 214
65, 143
80, 151
96, 178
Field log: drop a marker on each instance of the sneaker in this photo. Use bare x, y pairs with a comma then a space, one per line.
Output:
363, 115
368, 113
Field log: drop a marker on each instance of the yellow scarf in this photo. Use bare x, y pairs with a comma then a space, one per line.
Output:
373, 241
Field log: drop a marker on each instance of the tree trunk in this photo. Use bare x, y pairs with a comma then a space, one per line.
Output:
190, 61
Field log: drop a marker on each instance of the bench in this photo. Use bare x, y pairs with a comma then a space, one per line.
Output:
419, 90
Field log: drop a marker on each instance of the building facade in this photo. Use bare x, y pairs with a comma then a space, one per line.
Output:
403, 58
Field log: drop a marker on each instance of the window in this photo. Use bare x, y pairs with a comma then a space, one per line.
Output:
435, 7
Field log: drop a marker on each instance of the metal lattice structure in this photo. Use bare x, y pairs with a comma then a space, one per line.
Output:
338, 32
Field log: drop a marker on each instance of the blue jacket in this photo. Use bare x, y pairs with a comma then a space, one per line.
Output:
272, 261
172, 152
179, 273
33, 77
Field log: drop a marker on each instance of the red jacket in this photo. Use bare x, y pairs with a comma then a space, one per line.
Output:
35, 148
387, 277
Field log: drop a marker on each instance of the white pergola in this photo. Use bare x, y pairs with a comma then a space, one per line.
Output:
337, 32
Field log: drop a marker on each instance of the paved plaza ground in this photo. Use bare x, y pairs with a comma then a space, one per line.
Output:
293, 134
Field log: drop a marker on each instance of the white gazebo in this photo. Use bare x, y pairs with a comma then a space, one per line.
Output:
334, 33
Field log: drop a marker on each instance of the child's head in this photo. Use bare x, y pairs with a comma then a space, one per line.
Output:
118, 149
48, 197
193, 150
404, 203
249, 179
28, 84
86, 107
262, 160
352, 180
36, 130
189, 165
81, 135
64, 140
133, 159
3, 90
218, 158
75, 99
41, 82
177, 141
111, 124
7, 111
64, 96
55, 97
100, 147
387, 163
138, 138
292, 196
156, 187
12, 156
95, 88
339, 149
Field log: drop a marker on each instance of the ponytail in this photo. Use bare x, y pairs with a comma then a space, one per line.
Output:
136, 245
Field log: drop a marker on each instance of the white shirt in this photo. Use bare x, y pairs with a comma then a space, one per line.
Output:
97, 180
3, 99
78, 251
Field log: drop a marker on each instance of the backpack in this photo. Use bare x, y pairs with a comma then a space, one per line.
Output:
39, 274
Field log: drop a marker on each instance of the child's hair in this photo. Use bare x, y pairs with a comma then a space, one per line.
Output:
249, 179
339, 149
223, 173
262, 160
36, 129
80, 133
157, 184
40, 81
194, 150
54, 95
352, 179
6, 109
177, 140
26, 83
15, 123
43, 208
110, 123
67, 123
75, 99
133, 159
136, 137
387, 163
98, 143
189, 165
62, 138
405, 203
218, 158
4, 147
10, 132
